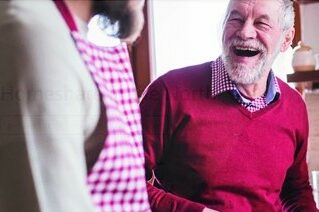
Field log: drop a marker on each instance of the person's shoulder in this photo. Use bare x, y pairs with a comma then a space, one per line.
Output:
187, 75
179, 81
288, 90
36, 46
33, 30
33, 20
290, 94
29, 13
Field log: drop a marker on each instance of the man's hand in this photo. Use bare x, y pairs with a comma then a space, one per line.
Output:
208, 210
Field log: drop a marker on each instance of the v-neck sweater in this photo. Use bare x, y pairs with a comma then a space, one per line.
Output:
211, 152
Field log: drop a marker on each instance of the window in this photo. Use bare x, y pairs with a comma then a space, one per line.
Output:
184, 32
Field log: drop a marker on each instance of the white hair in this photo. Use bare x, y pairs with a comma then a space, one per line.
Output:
287, 18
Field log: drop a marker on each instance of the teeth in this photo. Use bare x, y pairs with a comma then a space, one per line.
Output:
246, 49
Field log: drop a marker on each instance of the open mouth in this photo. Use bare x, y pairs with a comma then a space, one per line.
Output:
245, 51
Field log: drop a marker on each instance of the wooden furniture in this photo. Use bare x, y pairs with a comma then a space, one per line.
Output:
304, 79
304, 76
306, 1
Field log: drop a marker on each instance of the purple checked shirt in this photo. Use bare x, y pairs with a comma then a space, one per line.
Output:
222, 83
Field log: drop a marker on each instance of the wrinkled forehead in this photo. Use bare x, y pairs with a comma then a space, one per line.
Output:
255, 8
251, 2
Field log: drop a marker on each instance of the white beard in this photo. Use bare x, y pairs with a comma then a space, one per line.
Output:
244, 74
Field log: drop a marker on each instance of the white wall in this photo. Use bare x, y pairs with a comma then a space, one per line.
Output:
309, 25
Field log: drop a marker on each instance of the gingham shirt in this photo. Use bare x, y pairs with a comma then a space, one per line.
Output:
222, 83
117, 179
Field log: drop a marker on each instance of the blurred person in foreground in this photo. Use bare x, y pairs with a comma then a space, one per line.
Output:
228, 135
70, 135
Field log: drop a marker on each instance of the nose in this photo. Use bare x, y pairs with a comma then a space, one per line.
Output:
247, 31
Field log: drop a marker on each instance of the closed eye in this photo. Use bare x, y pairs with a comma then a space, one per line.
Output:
236, 20
261, 23
235, 17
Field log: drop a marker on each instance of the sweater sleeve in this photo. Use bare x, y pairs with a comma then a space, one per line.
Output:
157, 129
296, 194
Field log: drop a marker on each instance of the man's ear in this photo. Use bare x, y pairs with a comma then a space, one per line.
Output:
288, 37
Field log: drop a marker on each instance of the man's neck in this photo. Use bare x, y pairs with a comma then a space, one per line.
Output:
80, 8
254, 90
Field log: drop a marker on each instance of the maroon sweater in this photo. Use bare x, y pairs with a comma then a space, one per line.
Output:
211, 151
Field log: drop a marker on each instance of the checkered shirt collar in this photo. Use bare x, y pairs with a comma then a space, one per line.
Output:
221, 81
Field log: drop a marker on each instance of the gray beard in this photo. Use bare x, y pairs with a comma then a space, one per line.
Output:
241, 74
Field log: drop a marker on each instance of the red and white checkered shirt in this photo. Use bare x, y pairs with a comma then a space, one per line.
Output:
117, 180
221, 82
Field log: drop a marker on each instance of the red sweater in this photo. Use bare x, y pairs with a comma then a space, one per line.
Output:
211, 151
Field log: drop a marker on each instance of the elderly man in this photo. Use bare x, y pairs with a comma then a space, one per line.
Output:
70, 134
228, 135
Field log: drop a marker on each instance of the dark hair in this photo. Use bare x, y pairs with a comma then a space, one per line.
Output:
114, 13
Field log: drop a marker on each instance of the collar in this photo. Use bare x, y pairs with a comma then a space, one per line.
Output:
221, 82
